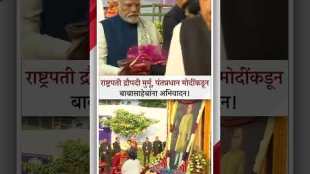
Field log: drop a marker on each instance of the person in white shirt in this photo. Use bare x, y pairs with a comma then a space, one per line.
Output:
132, 165
190, 48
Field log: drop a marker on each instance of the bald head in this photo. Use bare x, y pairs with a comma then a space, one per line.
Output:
189, 108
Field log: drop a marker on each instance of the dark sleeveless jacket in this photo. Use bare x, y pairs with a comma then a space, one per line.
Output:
120, 36
195, 41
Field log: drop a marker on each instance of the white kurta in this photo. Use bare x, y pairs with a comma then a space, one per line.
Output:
147, 34
131, 167
175, 65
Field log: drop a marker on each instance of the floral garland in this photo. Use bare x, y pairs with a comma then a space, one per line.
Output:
198, 163
193, 162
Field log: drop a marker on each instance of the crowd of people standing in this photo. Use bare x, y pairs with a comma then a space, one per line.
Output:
117, 158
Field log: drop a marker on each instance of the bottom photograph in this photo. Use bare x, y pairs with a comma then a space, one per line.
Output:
154, 137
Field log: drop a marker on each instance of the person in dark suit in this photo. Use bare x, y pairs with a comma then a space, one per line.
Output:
157, 146
171, 19
147, 149
106, 154
116, 146
164, 144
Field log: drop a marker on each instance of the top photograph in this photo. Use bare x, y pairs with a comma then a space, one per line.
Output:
154, 37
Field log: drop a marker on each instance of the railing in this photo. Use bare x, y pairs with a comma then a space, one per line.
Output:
157, 10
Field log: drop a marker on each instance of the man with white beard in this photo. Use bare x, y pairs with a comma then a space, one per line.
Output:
117, 34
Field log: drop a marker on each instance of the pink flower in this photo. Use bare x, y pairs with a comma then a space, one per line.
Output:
140, 59
148, 53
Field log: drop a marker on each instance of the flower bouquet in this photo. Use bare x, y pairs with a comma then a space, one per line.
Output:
142, 60
199, 164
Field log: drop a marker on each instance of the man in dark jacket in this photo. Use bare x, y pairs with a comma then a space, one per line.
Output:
116, 146
106, 154
171, 19
157, 146
147, 149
